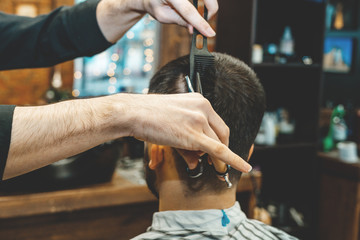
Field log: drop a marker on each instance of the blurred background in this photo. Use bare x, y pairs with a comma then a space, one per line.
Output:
307, 170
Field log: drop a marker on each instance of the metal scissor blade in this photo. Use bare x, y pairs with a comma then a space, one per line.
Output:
198, 84
189, 84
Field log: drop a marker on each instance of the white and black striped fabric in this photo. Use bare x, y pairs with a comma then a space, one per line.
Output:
207, 224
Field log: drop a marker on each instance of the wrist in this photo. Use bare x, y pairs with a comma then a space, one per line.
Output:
115, 17
123, 114
136, 6
106, 117
116, 8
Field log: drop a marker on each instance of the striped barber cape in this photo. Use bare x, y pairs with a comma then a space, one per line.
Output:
209, 224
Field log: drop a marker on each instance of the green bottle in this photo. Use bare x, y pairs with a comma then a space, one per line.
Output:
337, 129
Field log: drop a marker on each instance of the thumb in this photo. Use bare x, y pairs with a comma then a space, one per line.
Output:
191, 157
219, 166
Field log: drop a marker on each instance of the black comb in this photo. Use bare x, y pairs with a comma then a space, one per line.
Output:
201, 60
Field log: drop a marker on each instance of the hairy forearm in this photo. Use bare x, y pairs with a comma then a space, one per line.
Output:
115, 17
45, 134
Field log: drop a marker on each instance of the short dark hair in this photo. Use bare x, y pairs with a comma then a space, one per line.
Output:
234, 92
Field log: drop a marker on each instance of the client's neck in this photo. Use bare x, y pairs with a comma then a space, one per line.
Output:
172, 197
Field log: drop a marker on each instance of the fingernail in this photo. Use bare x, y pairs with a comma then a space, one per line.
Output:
210, 32
249, 169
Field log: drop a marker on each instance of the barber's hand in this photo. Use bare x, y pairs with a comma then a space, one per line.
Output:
115, 17
182, 12
184, 121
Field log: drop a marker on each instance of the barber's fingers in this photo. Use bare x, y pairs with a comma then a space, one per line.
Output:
219, 165
190, 29
214, 140
214, 126
212, 7
191, 15
220, 151
168, 15
219, 127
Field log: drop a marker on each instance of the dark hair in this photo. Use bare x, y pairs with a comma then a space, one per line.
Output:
235, 93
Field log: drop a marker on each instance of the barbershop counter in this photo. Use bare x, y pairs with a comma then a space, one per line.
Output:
339, 214
119, 209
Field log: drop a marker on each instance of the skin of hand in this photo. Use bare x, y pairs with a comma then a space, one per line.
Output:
115, 17
182, 12
45, 134
188, 122
185, 14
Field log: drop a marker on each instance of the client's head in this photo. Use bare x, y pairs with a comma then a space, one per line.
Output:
236, 95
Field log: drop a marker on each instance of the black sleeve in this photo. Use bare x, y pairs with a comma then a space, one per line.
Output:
64, 34
6, 116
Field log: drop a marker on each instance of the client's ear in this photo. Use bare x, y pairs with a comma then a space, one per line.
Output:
156, 156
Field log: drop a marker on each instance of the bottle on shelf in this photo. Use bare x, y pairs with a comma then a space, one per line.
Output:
257, 53
267, 132
286, 126
287, 45
339, 17
337, 129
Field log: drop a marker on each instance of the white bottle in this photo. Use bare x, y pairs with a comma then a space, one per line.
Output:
257, 53
287, 43
260, 137
269, 126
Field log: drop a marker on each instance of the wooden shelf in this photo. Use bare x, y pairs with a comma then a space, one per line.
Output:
333, 165
293, 86
339, 198
118, 192
285, 146
340, 88
342, 33
286, 65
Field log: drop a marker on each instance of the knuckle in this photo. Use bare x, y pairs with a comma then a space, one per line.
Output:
198, 95
199, 119
187, 10
204, 24
158, 14
205, 102
215, 7
218, 150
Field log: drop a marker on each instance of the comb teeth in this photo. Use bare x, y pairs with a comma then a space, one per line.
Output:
201, 60
203, 64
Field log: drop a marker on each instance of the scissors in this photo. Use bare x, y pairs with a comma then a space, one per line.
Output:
198, 171
198, 84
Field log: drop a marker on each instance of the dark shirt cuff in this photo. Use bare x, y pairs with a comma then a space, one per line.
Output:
86, 32
6, 117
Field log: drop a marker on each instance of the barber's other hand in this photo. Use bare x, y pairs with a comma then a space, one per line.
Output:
183, 13
115, 17
184, 121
